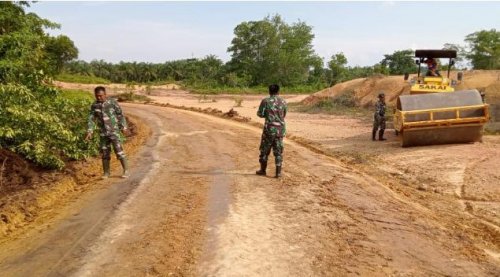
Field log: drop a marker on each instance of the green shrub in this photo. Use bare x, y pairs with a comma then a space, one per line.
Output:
43, 125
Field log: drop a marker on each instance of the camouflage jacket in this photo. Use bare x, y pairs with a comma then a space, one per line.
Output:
380, 108
109, 117
273, 109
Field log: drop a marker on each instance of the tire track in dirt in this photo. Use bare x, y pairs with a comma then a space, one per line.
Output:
204, 212
400, 232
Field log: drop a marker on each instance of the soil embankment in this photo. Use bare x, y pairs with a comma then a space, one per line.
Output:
30, 194
365, 90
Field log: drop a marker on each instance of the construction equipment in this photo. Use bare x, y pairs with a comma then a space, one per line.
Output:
434, 113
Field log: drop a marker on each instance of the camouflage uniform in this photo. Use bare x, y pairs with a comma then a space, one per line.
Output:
379, 119
273, 109
110, 120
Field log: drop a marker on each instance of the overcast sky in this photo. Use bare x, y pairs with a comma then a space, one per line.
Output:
161, 31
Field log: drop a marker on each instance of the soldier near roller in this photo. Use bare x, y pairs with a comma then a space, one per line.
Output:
434, 112
111, 122
273, 109
379, 118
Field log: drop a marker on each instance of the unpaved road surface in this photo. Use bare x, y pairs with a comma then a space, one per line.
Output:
193, 206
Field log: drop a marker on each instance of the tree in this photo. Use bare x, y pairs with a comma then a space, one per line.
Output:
271, 50
461, 54
60, 50
399, 62
36, 121
484, 48
337, 66
25, 47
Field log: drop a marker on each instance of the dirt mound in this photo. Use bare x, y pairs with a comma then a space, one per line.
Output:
364, 91
16, 173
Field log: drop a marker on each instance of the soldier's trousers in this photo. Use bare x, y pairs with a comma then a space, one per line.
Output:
273, 142
107, 142
378, 122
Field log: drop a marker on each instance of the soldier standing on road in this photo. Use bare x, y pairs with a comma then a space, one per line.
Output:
110, 120
379, 118
273, 109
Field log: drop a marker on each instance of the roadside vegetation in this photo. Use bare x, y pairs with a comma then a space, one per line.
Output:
81, 79
37, 121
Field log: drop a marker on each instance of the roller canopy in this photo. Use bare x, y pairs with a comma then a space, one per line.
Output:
435, 53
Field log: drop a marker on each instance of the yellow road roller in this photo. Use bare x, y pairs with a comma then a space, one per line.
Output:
433, 112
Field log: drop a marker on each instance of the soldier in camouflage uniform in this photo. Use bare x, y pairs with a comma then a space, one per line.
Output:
273, 109
379, 118
110, 120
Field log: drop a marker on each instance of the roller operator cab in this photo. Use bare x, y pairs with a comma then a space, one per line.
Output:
433, 112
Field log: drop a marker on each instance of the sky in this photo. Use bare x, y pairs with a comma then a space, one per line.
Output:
163, 31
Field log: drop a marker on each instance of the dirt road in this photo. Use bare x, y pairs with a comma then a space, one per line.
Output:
193, 206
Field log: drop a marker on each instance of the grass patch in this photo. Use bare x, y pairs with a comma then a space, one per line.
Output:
251, 90
81, 79
76, 94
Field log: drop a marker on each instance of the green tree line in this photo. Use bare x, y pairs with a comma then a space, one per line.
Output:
36, 120
273, 51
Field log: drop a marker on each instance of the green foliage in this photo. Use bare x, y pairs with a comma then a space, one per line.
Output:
301, 89
43, 125
59, 50
272, 51
461, 55
81, 79
36, 120
77, 94
400, 62
484, 49
262, 52
25, 47
337, 66
207, 70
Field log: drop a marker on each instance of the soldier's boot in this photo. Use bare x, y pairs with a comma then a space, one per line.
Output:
124, 163
278, 171
381, 135
374, 134
106, 168
262, 171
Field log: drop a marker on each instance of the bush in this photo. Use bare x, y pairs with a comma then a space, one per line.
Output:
345, 99
43, 125
238, 101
